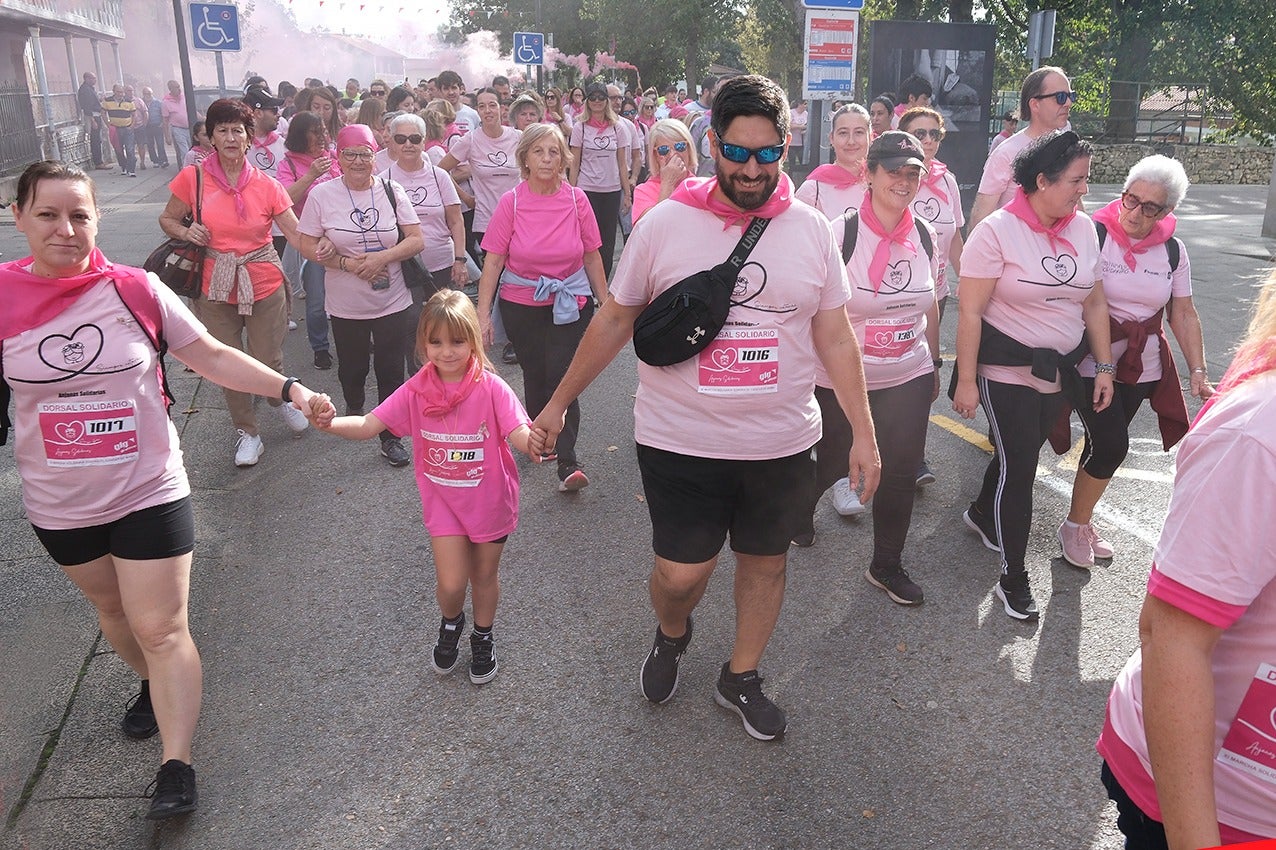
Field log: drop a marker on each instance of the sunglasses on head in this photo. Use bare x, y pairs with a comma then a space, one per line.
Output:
740, 154
1060, 97
933, 135
1134, 202
663, 150
415, 138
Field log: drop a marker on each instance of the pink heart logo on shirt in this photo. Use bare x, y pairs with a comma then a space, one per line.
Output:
499, 158
723, 358
437, 456
602, 142
883, 338
417, 195
1062, 268
365, 219
928, 209
69, 432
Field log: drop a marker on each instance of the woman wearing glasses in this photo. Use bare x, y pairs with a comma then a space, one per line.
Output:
351, 226
671, 153
556, 113
574, 108
600, 165
1146, 275
838, 187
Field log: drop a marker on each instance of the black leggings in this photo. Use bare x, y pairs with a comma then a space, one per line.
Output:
1019, 419
545, 350
1141, 832
471, 241
1107, 433
900, 416
355, 339
606, 206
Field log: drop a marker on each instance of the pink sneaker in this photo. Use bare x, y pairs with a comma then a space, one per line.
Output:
1075, 542
1100, 547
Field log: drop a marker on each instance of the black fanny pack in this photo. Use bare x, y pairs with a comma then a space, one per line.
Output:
686, 317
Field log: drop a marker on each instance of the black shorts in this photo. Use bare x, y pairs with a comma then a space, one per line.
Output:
695, 502
162, 531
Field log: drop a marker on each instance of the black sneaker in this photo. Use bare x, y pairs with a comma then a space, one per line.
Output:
323, 359
445, 652
895, 581
1016, 597
139, 717
508, 357
982, 525
174, 791
394, 453
659, 678
925, 477
742, 693
483, 665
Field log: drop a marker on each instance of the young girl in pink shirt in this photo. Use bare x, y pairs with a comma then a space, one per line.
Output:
462, 419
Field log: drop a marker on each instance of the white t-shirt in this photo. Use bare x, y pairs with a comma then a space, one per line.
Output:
358, 223
829, 199
266, 157
749, 395
1038, 294
431, 191
1136, 296
467, 118
599, 170
92, 439
946, 218
493, 168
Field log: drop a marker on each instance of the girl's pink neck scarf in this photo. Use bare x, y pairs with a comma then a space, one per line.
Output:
837, 176
1110, 217
1022, 210
933, 179
698, 192
213, 168
439, 398
898, 236
30, 300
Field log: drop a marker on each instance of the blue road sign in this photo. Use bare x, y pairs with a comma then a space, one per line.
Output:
215, 26
833, 4
529, 48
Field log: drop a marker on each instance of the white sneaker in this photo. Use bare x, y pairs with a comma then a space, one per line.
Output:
292, 326
248, 450
296, 420
845, 500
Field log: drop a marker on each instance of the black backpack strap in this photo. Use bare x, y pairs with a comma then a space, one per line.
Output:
5, 424
1102, 230
1175, 252
850, 234
924, 235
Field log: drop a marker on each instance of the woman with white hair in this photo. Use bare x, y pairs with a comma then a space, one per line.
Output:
1146, 274
671, 155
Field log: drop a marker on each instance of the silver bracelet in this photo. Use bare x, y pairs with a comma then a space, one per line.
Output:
1104, 369
1199, 370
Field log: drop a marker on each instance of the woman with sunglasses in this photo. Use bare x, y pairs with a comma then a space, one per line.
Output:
556, 113
600, 165
366, 297
672, 154
1031, 301
837, 188
1146, 274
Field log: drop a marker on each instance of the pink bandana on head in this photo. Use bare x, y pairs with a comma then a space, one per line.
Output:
1022, 210
698, 192
356, 135
898, 236
933, 179
439, 398
212, 166
837, 176
31, 300
1110, 217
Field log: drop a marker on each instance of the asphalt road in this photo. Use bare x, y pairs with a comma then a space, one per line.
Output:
948, 725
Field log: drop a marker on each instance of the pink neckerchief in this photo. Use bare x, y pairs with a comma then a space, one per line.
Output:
598, 123
439, 398
646, 122
434, 143
1022, 210
698, 192
213, 168
31, 300
1161, 232
266, 142
933, 179
837, 176
898, 236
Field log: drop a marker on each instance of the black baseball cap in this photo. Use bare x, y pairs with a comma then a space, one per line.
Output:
259, 97
895, 149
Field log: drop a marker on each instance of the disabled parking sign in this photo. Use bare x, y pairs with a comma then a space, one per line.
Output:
215, 26
529, 48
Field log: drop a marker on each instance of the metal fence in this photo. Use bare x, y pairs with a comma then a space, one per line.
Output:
19, 138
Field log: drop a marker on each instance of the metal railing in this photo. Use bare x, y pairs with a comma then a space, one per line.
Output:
20, 140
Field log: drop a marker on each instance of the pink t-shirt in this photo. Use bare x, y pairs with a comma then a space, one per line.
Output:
646, 196
946, 217
1038, 294
463, 464
1216, 560
290, 172
92, 439
359, 222
541, 236
890, 323
264, 199
999, 171
493, 169
829, 199
599, 170
174, 109
431, 191
1136, 296
749, 395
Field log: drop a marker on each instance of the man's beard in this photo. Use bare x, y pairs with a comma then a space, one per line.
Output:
749, 199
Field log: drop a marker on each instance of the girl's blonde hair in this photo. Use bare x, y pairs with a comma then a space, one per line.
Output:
451, 312
1257, 352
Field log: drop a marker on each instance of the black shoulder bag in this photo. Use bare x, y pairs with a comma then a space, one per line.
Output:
686, 317
415, 275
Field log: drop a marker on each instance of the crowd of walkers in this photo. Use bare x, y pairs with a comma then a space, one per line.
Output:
382, 207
